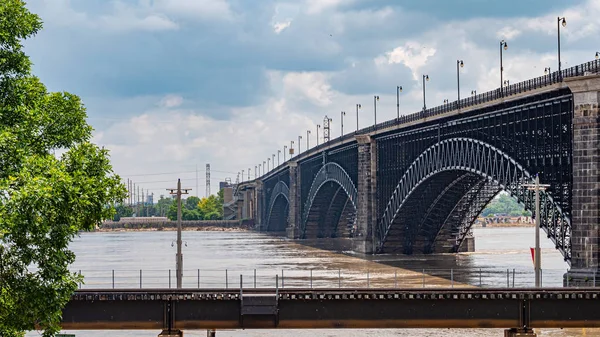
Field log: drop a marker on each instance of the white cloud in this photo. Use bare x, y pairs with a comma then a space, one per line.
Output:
278, 27
312, 86
204, 9
412, 54
171, 101
317, 6
128, 22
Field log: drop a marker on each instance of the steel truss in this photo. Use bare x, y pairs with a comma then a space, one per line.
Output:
497, 167
329, 172
280, 190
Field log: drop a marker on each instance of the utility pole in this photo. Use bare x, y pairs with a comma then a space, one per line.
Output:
179, 256
537, 259
197, 189
128, 191
207, 180
137, 204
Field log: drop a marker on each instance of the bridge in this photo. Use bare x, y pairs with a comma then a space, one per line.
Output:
415, 184
521, 310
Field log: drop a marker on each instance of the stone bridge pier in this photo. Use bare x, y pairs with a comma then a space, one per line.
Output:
585, 225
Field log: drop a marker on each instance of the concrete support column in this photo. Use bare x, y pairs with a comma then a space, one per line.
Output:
586, 181
366, 212
260, 205
295, 214
171, 333
519, 333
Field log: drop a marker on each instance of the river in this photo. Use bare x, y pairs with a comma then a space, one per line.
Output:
502, 258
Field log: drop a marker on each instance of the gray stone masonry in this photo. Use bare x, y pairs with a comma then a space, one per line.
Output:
586, 181
295, 215
364, 241
260, 204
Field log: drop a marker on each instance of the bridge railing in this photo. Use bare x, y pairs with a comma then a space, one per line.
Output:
321, 278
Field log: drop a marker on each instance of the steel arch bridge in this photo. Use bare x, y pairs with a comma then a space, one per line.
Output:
417, 183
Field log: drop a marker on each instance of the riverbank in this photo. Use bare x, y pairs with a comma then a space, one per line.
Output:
171, 229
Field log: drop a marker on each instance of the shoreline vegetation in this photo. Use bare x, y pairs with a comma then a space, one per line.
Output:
164, 224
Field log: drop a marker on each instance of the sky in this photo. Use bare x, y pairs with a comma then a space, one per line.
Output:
173, 85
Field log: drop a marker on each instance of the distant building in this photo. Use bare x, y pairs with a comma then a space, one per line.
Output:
150, 199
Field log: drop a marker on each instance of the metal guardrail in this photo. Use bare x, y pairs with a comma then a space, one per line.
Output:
505, 92
319, 278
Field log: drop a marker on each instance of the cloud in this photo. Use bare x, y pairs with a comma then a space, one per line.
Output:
278, 27
311, 86
318, 6
171, 101
412, 54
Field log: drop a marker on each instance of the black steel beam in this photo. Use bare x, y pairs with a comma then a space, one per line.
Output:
327, 308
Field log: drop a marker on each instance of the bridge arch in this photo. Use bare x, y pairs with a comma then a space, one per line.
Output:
333, 188
489, 166
279, 204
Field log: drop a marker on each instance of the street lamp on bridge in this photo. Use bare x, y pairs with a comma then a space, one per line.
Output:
506, 83
307, 139
459, 64
358, 106
255, 172
242, 175
278, 153
342, 114
291, 149
259, 170
503, 46
398, 91
318, 126
264, 166
561, 21
375, 100
299, 139
597, 55
273, 161
425, 78
284, 150
249, 170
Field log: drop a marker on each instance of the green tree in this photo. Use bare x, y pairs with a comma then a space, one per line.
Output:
45, 200
506, 205
191, 203
211, 207
163, 205
122, 211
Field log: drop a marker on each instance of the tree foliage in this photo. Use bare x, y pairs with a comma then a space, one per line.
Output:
45, 200
504, 204
193, 208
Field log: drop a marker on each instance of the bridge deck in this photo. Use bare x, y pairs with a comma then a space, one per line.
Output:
326, 308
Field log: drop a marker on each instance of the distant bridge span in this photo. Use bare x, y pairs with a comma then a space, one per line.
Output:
416, 184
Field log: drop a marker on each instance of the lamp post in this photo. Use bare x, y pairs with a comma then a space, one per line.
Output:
255, 172
291, 149
425, 78
537, 259
284, 151
299, 139
503, 46
242, 175
375, 99
249, 173
597, 55
547, 71
268, 160
273, 161
506, 83
459, 64
342, 114
264, 167
318, 126
259, 170
358, 106
307, 139
398, 91
561, 21
278, 153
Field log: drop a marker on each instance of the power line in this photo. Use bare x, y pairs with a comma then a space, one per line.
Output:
163, 173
